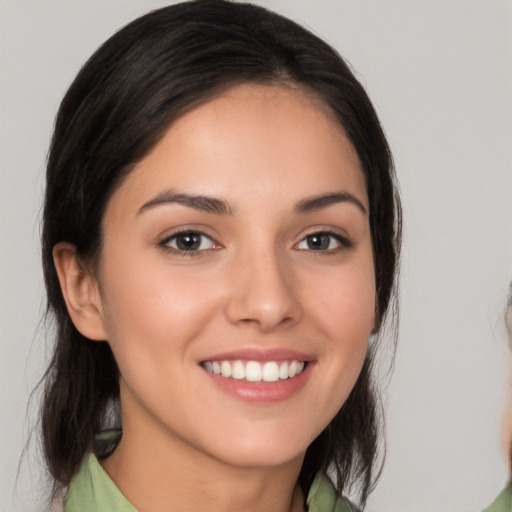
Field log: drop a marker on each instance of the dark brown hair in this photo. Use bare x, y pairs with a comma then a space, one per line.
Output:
118, 107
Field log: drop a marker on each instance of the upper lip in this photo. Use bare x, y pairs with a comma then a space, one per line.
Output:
261, 355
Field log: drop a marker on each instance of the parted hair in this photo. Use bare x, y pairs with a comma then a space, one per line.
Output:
122, 101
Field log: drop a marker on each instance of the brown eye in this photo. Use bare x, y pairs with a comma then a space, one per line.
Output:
323, 241
320, 242
188, 241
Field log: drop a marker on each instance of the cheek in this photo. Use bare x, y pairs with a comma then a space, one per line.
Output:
343, 307
347, 330
154, 310
343, 301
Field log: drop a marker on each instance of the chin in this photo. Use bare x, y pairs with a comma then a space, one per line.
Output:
257, 450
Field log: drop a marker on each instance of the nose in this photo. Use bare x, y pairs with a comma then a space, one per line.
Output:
263, 292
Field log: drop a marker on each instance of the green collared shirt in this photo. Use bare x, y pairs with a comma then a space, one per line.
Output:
503, 503
92, 490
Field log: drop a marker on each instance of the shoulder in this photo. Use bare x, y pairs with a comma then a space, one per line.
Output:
323, 498
503, 503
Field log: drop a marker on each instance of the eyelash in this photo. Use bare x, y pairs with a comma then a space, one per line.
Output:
342, 243
164, 244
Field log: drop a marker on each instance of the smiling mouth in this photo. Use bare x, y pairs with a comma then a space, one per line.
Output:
255, 371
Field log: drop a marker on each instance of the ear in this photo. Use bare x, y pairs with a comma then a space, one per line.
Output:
81, 292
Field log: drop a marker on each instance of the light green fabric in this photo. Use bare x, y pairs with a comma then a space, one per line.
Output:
322, 498
92, 490
503, 503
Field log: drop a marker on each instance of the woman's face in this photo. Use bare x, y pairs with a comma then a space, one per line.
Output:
239, 245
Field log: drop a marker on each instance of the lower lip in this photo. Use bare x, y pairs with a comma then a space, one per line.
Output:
262, 392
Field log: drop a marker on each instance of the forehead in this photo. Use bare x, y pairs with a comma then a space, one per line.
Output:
252, 135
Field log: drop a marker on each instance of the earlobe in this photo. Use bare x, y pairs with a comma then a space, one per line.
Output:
80, 291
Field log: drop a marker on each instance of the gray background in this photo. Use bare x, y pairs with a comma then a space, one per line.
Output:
440, 75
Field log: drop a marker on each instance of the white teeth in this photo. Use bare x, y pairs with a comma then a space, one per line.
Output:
238, 370
254, 371
225, 369
270, 372
284, 371
296, 367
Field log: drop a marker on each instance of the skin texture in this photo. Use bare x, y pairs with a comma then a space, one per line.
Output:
255, 284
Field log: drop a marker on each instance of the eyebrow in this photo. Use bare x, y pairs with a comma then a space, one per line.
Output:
198, 202
323, 201
220, 207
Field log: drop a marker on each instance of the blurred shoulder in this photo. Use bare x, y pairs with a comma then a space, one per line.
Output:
503, 503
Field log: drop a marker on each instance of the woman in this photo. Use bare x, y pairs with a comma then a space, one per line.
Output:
220, 241
503, 502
